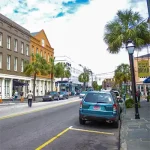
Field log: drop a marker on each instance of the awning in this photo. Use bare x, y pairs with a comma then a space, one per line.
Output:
147, 80
18, 83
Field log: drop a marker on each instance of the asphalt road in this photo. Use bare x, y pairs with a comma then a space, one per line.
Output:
49, 130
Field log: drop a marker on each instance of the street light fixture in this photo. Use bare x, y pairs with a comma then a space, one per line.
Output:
130, 47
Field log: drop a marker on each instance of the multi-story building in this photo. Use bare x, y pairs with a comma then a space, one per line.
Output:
108, 83
71, 84
40, 44
14, 50
142, 72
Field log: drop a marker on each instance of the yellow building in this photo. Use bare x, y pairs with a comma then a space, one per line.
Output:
141, 67
39, 44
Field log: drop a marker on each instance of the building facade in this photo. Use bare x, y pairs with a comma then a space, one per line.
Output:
39, 44
142, 72
71, 84
108, 83
14, 50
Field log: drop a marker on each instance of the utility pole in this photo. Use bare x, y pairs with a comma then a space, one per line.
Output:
148, 7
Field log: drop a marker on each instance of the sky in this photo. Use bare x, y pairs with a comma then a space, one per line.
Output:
75, 28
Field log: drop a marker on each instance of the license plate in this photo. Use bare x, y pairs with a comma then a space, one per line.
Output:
96, 107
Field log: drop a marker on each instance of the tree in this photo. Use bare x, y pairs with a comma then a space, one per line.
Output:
62, 71
84, 77
95, 86
122, 74
52, 71
38, 65
126, 25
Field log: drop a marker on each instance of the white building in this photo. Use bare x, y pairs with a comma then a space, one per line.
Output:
75, 69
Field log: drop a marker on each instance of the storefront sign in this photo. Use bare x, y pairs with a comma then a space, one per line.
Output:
143, 68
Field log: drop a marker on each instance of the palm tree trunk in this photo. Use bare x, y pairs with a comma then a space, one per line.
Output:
34, 79
52, 83
84, 85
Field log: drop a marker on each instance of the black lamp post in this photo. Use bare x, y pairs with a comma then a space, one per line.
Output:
130, 47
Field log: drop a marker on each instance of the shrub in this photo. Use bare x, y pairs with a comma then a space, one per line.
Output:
129, 103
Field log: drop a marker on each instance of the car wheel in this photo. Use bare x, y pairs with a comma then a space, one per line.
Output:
81, 121
116, 124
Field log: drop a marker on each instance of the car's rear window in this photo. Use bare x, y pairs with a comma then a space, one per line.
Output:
117, 94
98, 98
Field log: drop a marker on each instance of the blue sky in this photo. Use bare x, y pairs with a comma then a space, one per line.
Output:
74, 27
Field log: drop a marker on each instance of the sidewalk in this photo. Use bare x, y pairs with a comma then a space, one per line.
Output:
135, 133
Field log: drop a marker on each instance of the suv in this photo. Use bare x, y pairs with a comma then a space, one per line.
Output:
50, 96
102, 106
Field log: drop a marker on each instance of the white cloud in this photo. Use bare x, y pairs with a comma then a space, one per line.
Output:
80, 35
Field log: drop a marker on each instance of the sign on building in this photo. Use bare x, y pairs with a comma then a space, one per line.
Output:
143, 68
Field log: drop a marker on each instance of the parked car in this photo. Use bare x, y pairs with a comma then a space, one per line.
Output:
122, 104
117, 93
82, 94
100, 106
63, 95
50, 96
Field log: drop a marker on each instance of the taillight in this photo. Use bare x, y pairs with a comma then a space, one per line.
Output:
81, 104
114, 108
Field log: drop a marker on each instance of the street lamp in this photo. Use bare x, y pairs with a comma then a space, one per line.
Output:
130, 47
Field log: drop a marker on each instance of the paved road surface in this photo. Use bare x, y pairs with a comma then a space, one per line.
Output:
49, 130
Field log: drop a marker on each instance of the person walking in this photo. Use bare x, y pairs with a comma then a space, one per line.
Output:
30, 97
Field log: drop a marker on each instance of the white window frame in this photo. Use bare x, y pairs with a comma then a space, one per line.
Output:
27, 50
15, 64
43, 42
15, 45
1, 60
22, 47
1, 39
8, 42
8, 62
22, 65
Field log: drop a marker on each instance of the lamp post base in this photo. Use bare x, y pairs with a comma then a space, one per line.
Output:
137, 116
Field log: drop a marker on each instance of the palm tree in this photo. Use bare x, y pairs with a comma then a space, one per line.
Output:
38, 65
126, 25
122, 74
52, 71
84, 77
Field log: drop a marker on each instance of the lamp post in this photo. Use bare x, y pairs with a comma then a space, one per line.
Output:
130, 47
148, 6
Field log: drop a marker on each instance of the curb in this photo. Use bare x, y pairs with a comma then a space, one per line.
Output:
122, 141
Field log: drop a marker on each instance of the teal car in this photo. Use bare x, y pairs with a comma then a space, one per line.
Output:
101, 106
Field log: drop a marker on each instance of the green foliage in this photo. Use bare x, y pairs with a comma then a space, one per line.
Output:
95, 86
122, 74
62, 71
83, 77
126, 25
129, 103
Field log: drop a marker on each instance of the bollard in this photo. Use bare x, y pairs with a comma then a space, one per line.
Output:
1, 101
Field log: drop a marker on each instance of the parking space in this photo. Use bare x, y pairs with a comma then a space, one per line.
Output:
92, 136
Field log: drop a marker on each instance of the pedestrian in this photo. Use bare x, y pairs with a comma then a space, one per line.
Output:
15, 95
30, 97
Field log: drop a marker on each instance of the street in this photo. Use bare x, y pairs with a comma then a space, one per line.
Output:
55, 128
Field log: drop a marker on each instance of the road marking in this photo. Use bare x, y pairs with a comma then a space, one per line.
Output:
37, 110
52, 139
92, 131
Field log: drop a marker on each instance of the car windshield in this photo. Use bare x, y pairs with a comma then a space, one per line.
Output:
62, 92
84, 92
117, 94
98, 98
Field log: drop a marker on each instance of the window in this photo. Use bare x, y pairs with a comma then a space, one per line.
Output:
15, 63
27, 50
98, 98
43, 43
22, 65
15, 45
8, 42
32, 49
41, 53
37, 50
1, 59
22, 47
8, 62
1, 39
